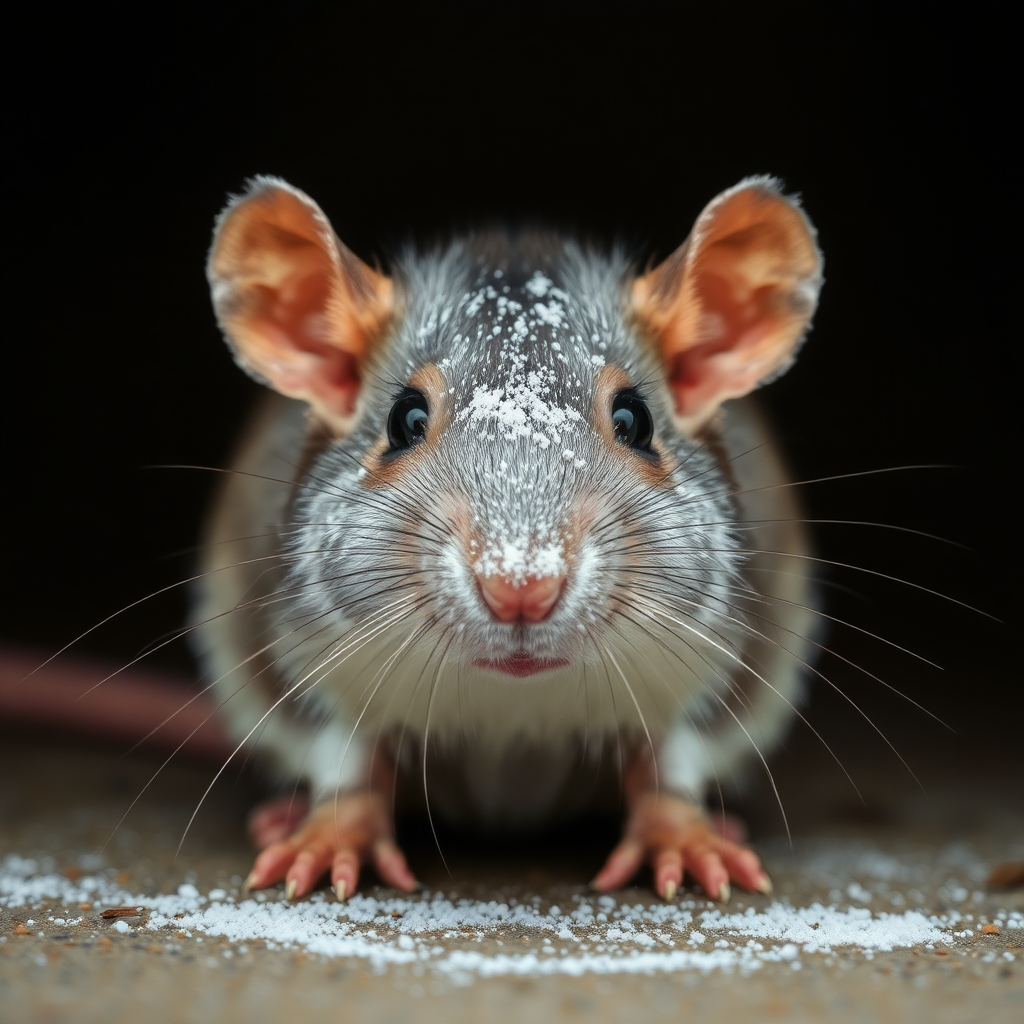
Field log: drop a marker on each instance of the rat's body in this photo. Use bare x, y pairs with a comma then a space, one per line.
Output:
513, 535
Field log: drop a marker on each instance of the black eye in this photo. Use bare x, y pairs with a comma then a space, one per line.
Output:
407, 421
632, 420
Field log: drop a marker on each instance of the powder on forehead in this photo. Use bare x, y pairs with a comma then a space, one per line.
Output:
519, 329
544, 297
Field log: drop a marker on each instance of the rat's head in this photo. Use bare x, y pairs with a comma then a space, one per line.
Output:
510, 464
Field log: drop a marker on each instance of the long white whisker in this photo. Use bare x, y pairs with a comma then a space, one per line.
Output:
426, 746
356, 640
640, 714
291, 691
730, 686
380, 676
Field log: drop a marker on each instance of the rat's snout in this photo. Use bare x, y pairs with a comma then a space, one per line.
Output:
530, 599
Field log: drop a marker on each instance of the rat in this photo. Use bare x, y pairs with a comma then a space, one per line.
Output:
506, 522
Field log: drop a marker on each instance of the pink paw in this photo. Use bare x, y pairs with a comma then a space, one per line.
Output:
728, 826
277, 818
338, 837
675, 837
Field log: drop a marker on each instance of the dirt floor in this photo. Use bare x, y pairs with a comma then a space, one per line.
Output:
513, 932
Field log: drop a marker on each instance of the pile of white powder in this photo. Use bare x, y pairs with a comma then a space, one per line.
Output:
589, 934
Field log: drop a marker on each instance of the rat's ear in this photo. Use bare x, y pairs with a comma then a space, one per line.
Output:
299, 310
729, 307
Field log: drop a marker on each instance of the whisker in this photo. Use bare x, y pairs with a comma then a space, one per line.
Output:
639, 712
754, 595
674, 549
724, 704
380, 676
181, 745
806, 665
731, 655
785, 484
426, 746
730, 686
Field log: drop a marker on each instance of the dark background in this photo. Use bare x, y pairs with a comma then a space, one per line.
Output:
130, 130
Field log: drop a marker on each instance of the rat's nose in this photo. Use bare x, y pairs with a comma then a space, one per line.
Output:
531, 599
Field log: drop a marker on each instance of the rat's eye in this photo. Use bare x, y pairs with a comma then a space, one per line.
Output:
407, 422
632, 420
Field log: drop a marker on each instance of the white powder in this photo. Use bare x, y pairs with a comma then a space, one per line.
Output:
520, 409
595, 935
538, 285
551, 313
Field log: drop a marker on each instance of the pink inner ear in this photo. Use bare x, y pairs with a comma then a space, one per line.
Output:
296, 308
336, 384
707, 375
301, 360
727, 361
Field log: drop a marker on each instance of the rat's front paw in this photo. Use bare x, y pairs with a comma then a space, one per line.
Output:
277, 818
339, 836
674, 836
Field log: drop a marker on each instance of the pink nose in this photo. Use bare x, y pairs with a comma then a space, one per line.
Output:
531, 600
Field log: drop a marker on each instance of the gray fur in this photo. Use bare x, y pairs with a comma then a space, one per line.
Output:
471, 312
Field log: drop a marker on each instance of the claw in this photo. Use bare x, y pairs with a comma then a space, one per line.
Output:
673, 836
338, 838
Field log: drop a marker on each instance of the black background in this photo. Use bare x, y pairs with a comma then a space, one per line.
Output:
129, 130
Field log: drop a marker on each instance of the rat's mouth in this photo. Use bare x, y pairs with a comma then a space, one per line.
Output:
521, 664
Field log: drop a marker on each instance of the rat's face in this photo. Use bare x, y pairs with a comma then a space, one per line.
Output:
516, 497
513, 479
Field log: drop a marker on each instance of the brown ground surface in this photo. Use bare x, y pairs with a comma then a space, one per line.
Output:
63, 799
